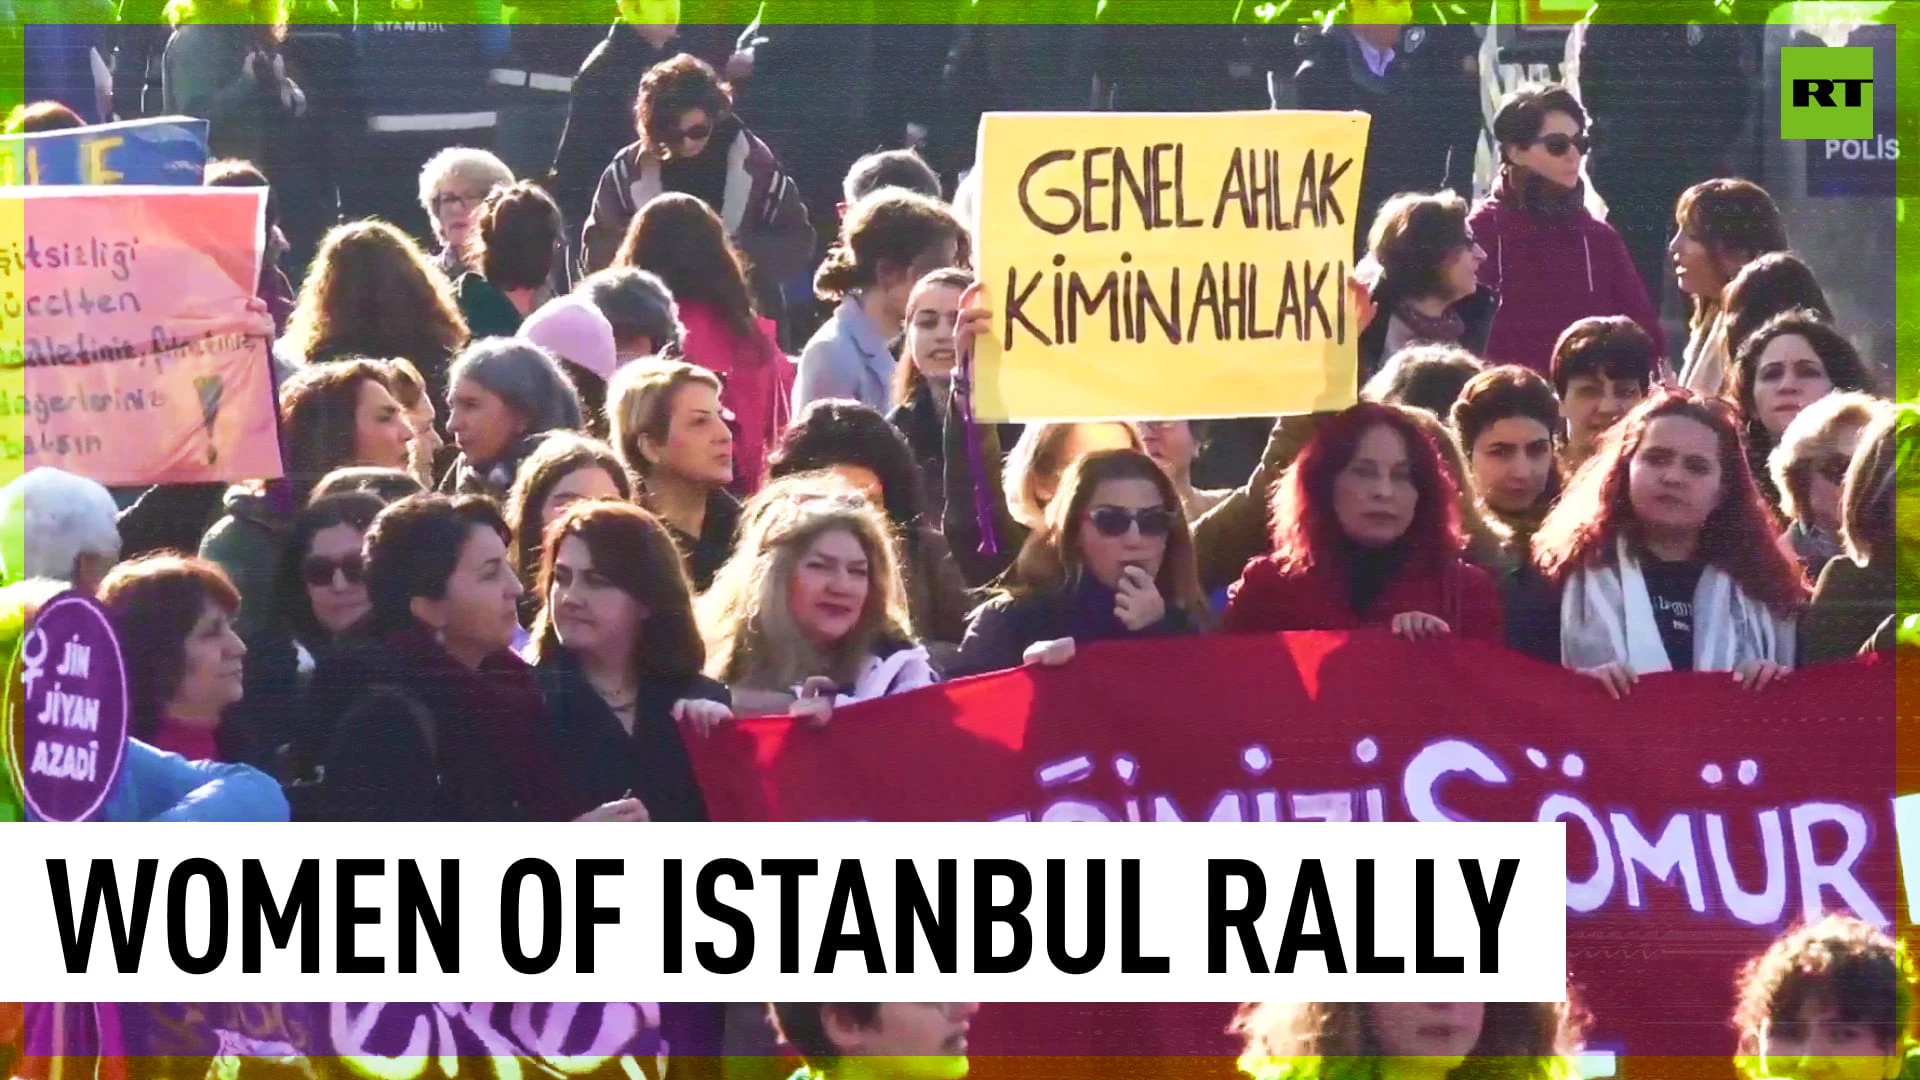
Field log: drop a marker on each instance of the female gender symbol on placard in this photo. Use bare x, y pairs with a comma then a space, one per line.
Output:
68, 728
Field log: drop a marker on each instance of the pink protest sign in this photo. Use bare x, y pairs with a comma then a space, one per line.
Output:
131, 310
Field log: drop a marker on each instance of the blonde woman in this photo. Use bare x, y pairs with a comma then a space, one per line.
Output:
810, 612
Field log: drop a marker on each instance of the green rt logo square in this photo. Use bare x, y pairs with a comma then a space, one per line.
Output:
1826, 93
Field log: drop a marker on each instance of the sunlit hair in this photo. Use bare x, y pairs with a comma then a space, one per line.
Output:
1336, 1041
1733, 219
1883, 471
1776, 282
559, 455
891, 227
906, 373
472, 168
1814, 434
636, 554
1606, 346
669, 90
162, 597
1050, 560
1840, 962
640, 401
372, 292
680, 239
517, 236
751, 636
1597, 507
1412, 236
1039, 457
319, 418
1426, 377
1306, 531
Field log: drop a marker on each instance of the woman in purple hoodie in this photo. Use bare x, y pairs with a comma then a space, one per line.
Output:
1552, 262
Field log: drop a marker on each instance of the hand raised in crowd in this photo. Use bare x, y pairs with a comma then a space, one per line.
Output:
701, 715
1758, 674
814, 704
1048, 653
1137, 602
1617, 678
1419, 626
1360, 298
617, 810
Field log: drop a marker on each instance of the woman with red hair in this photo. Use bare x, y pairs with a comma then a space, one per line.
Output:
1366, 534
1664, 553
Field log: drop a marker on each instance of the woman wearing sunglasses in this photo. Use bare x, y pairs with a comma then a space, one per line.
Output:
692, 142
318, 594
1809, 468
1367, 533
1112, 561
1552, 262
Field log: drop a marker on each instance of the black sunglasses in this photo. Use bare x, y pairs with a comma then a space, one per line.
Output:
1558, 144
695, 133
1113, 522
318, 570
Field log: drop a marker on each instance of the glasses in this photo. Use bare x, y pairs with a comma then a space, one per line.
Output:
447, 199
1558, 144
1113, 522
320, 571
1833, 469
696, 133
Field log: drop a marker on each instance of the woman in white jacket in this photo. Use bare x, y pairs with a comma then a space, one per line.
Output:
1665, 556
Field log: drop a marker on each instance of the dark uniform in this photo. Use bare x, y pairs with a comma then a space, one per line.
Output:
551, 39
422, 69
810, 96
1667, 93
1425, 108
1198, 65
1044, 63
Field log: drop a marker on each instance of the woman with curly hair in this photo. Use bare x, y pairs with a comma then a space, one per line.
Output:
810, 612
1791, 361
1664, 554
1465, 1040
372, 292
1422, 268
1367, 533
680, 240
1831, 999
692, 142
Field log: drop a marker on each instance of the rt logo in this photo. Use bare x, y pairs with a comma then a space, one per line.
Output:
1826, 93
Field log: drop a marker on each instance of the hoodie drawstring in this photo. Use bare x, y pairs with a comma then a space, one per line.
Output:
1587, 244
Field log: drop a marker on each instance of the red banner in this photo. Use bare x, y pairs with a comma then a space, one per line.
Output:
1702, 819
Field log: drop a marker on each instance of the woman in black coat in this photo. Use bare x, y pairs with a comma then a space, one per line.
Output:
1422, 267
618, 659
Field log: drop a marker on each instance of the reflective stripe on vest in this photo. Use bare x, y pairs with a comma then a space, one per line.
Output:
433, 122
559, 84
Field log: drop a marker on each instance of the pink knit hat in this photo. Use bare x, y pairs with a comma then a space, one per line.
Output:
573, 329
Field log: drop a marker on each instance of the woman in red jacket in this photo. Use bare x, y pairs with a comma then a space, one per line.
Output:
1552, 262
1366, 534
681, 240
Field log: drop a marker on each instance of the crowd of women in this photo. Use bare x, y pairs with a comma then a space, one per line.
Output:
530, 535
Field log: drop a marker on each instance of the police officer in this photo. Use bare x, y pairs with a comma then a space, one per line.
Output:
1668, 94
1412, 64
1200, 64
551, 38
423, 68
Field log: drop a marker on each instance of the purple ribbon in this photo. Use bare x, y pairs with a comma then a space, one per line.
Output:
982, 499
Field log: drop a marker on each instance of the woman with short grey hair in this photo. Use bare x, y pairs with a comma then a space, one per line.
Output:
505, 396
453, 184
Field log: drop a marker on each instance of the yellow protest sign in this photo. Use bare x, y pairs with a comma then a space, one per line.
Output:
1161, 266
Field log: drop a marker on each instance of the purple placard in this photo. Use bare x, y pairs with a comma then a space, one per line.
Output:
72, 728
